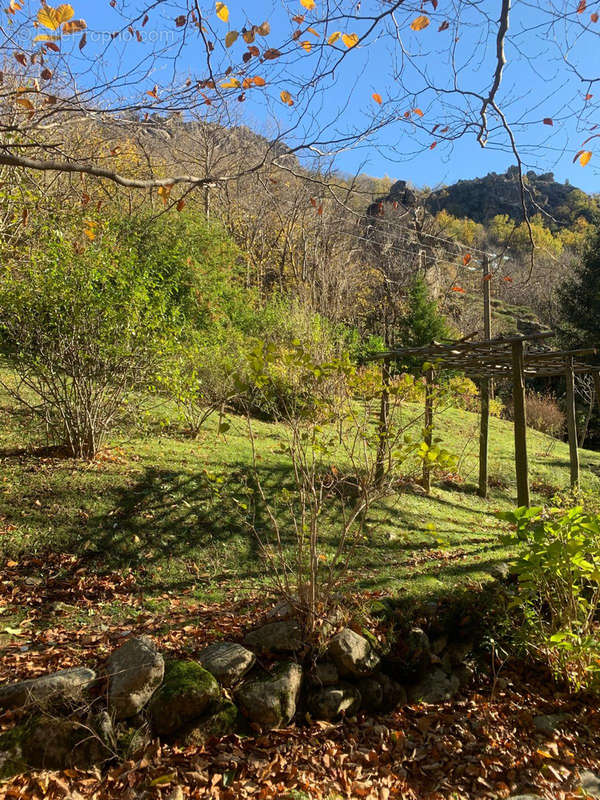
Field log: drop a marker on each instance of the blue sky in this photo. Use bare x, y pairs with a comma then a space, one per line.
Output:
535, 84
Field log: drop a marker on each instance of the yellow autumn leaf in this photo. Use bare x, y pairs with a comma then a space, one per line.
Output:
313, 31
232, 83
231, 38
584, 158
307, 46
53, 18
48, 17
76, 26
25, 103
334, 37
419, 23
350, 39
286, 97
46, 37
309, 4
222, 12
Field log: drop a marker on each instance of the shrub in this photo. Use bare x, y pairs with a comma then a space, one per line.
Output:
83, 326
558, 570
543, 414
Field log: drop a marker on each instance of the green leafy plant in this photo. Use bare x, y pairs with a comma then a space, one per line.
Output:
558, 571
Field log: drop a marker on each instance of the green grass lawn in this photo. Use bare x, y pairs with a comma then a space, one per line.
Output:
167, 507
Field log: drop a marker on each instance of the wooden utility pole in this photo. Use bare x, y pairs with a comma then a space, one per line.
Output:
520, 414
428, 428
383, 431
486, 384
572, 423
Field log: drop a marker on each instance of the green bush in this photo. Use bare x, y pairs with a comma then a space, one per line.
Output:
83, 326
558, 572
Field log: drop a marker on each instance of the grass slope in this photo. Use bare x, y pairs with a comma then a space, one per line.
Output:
166, 508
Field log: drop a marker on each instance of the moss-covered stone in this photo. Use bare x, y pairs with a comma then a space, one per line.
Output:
188, 690
12, 761
223, 721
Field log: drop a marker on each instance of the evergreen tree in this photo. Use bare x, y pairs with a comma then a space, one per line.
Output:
422, 322
581, 297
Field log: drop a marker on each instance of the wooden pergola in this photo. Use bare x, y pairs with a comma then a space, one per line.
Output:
515, 357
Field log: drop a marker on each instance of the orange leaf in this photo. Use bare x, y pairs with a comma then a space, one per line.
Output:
581, 7
547, 121
467, 258
594, 17
444, 26
508, 279
420, 23
458, 289
181, 205
286, 98
418, 112
584, 158
432, 145
589, 96
350, 39
258, 81
377, 98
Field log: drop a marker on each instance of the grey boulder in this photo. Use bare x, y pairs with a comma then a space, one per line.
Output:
227, 661
59, 688
332, 702
435, 688
352, 654
135, 671
590, 783
284, 636
371, 692
271, 699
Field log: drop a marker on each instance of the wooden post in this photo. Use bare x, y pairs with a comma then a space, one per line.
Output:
485, 386
428, 427
384, 411
597, 385
520, 411
572, 423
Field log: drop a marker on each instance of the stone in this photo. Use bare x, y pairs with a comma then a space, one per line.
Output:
590, 783
332, 702
371, 692
132, 739
459, 652
227, 661
525, 797
271, 699
53, 743
276, 637
439, 645
394, 694
549, 723
135, 671
435, 688
187, 692
413, 659
66, 687
352, 654
324, 674
500, 571
221, 722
